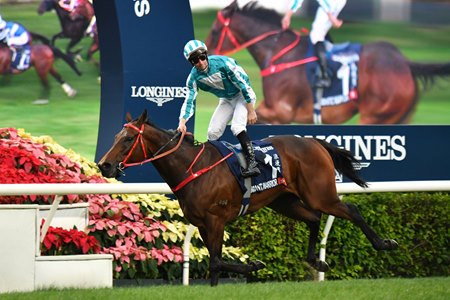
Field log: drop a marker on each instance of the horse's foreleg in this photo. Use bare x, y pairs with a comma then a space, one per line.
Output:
56, 36
213, 238
76, 54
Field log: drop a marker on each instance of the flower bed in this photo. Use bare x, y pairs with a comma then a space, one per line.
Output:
144, 233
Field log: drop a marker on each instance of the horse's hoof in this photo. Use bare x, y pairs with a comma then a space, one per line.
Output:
257, 265
390, 244
320, 266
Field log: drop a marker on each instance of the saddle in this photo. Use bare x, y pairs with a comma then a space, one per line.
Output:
269, 163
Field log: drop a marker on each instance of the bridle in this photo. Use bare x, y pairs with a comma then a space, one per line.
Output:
226, 32
140, 140
272, 68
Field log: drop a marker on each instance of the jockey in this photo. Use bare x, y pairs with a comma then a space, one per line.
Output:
68, 5
223, 77
74, 9
326, 17
18, 40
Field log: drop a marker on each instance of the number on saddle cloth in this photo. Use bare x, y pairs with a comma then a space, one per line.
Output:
269, 163
20, 58
342, 61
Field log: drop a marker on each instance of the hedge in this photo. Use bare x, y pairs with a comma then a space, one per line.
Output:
417, 221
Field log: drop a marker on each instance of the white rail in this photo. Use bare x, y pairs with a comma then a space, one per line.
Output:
162, 188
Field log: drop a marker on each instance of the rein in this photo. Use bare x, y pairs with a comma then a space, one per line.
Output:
273, 68
193, 176
140, 140
156, 155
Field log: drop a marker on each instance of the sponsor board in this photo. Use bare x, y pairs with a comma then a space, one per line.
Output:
142, 67
386, 152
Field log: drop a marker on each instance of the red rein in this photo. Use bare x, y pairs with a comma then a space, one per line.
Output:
140, 140
273, 68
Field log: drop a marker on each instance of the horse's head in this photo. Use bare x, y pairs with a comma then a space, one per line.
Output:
128, 147
46, 5
217, 40
235, 27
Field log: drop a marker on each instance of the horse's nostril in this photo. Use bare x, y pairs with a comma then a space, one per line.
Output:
104, 166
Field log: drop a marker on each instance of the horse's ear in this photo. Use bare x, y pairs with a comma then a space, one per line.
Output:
143, 117
128, 117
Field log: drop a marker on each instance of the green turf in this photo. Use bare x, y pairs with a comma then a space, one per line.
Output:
383, 289
73, 123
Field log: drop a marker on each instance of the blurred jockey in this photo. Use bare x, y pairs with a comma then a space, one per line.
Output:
326, 17
18, 40
75, 8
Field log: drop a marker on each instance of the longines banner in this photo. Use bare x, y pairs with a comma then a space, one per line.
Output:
141, 44
142, 66
386, 153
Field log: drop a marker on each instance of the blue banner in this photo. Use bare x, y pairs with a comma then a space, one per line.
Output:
142, 66
386, 153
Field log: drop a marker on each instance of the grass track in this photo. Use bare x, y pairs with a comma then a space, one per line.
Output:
383, 289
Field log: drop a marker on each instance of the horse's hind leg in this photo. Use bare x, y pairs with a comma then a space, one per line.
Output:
65, 86
291, 207
350, 212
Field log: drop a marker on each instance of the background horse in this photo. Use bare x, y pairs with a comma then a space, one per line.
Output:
73, 25
213, 198
42, 59
387, 82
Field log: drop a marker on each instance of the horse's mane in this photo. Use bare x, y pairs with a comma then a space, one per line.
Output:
254, 10
188, 138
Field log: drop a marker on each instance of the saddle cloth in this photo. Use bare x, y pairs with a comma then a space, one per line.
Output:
342, 60
269, 164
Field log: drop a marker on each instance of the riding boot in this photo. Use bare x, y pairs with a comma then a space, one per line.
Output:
325, 80
247, 149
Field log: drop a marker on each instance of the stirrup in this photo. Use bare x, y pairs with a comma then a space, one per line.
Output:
251, 171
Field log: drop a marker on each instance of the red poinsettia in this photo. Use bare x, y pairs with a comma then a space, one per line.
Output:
59, 241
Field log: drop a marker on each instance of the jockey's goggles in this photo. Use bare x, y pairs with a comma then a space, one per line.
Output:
196, 59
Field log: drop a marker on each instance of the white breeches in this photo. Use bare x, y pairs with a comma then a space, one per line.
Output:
234, 110
322, 24
20, 40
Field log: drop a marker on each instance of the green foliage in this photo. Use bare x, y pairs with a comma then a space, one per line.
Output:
417, 221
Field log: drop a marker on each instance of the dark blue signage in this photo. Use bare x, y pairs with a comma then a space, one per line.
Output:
386, 153
142, 66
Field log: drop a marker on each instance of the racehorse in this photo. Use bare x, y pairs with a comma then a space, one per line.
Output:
42, 59
74, 25
210, 196
387, 82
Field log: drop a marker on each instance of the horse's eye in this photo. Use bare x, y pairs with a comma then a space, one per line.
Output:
128, 139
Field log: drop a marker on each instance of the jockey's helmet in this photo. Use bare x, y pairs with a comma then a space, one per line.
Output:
194, 48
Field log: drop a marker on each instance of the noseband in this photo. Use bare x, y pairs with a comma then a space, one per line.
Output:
140, 140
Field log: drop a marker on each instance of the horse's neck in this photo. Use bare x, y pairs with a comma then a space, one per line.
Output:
261, 51
172, 167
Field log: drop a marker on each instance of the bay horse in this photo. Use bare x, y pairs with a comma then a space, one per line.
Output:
387, 82
73, 25
42, 59
210, 196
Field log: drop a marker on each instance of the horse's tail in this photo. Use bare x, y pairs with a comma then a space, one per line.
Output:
344, 162
58, 53
40, 37
427, 72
